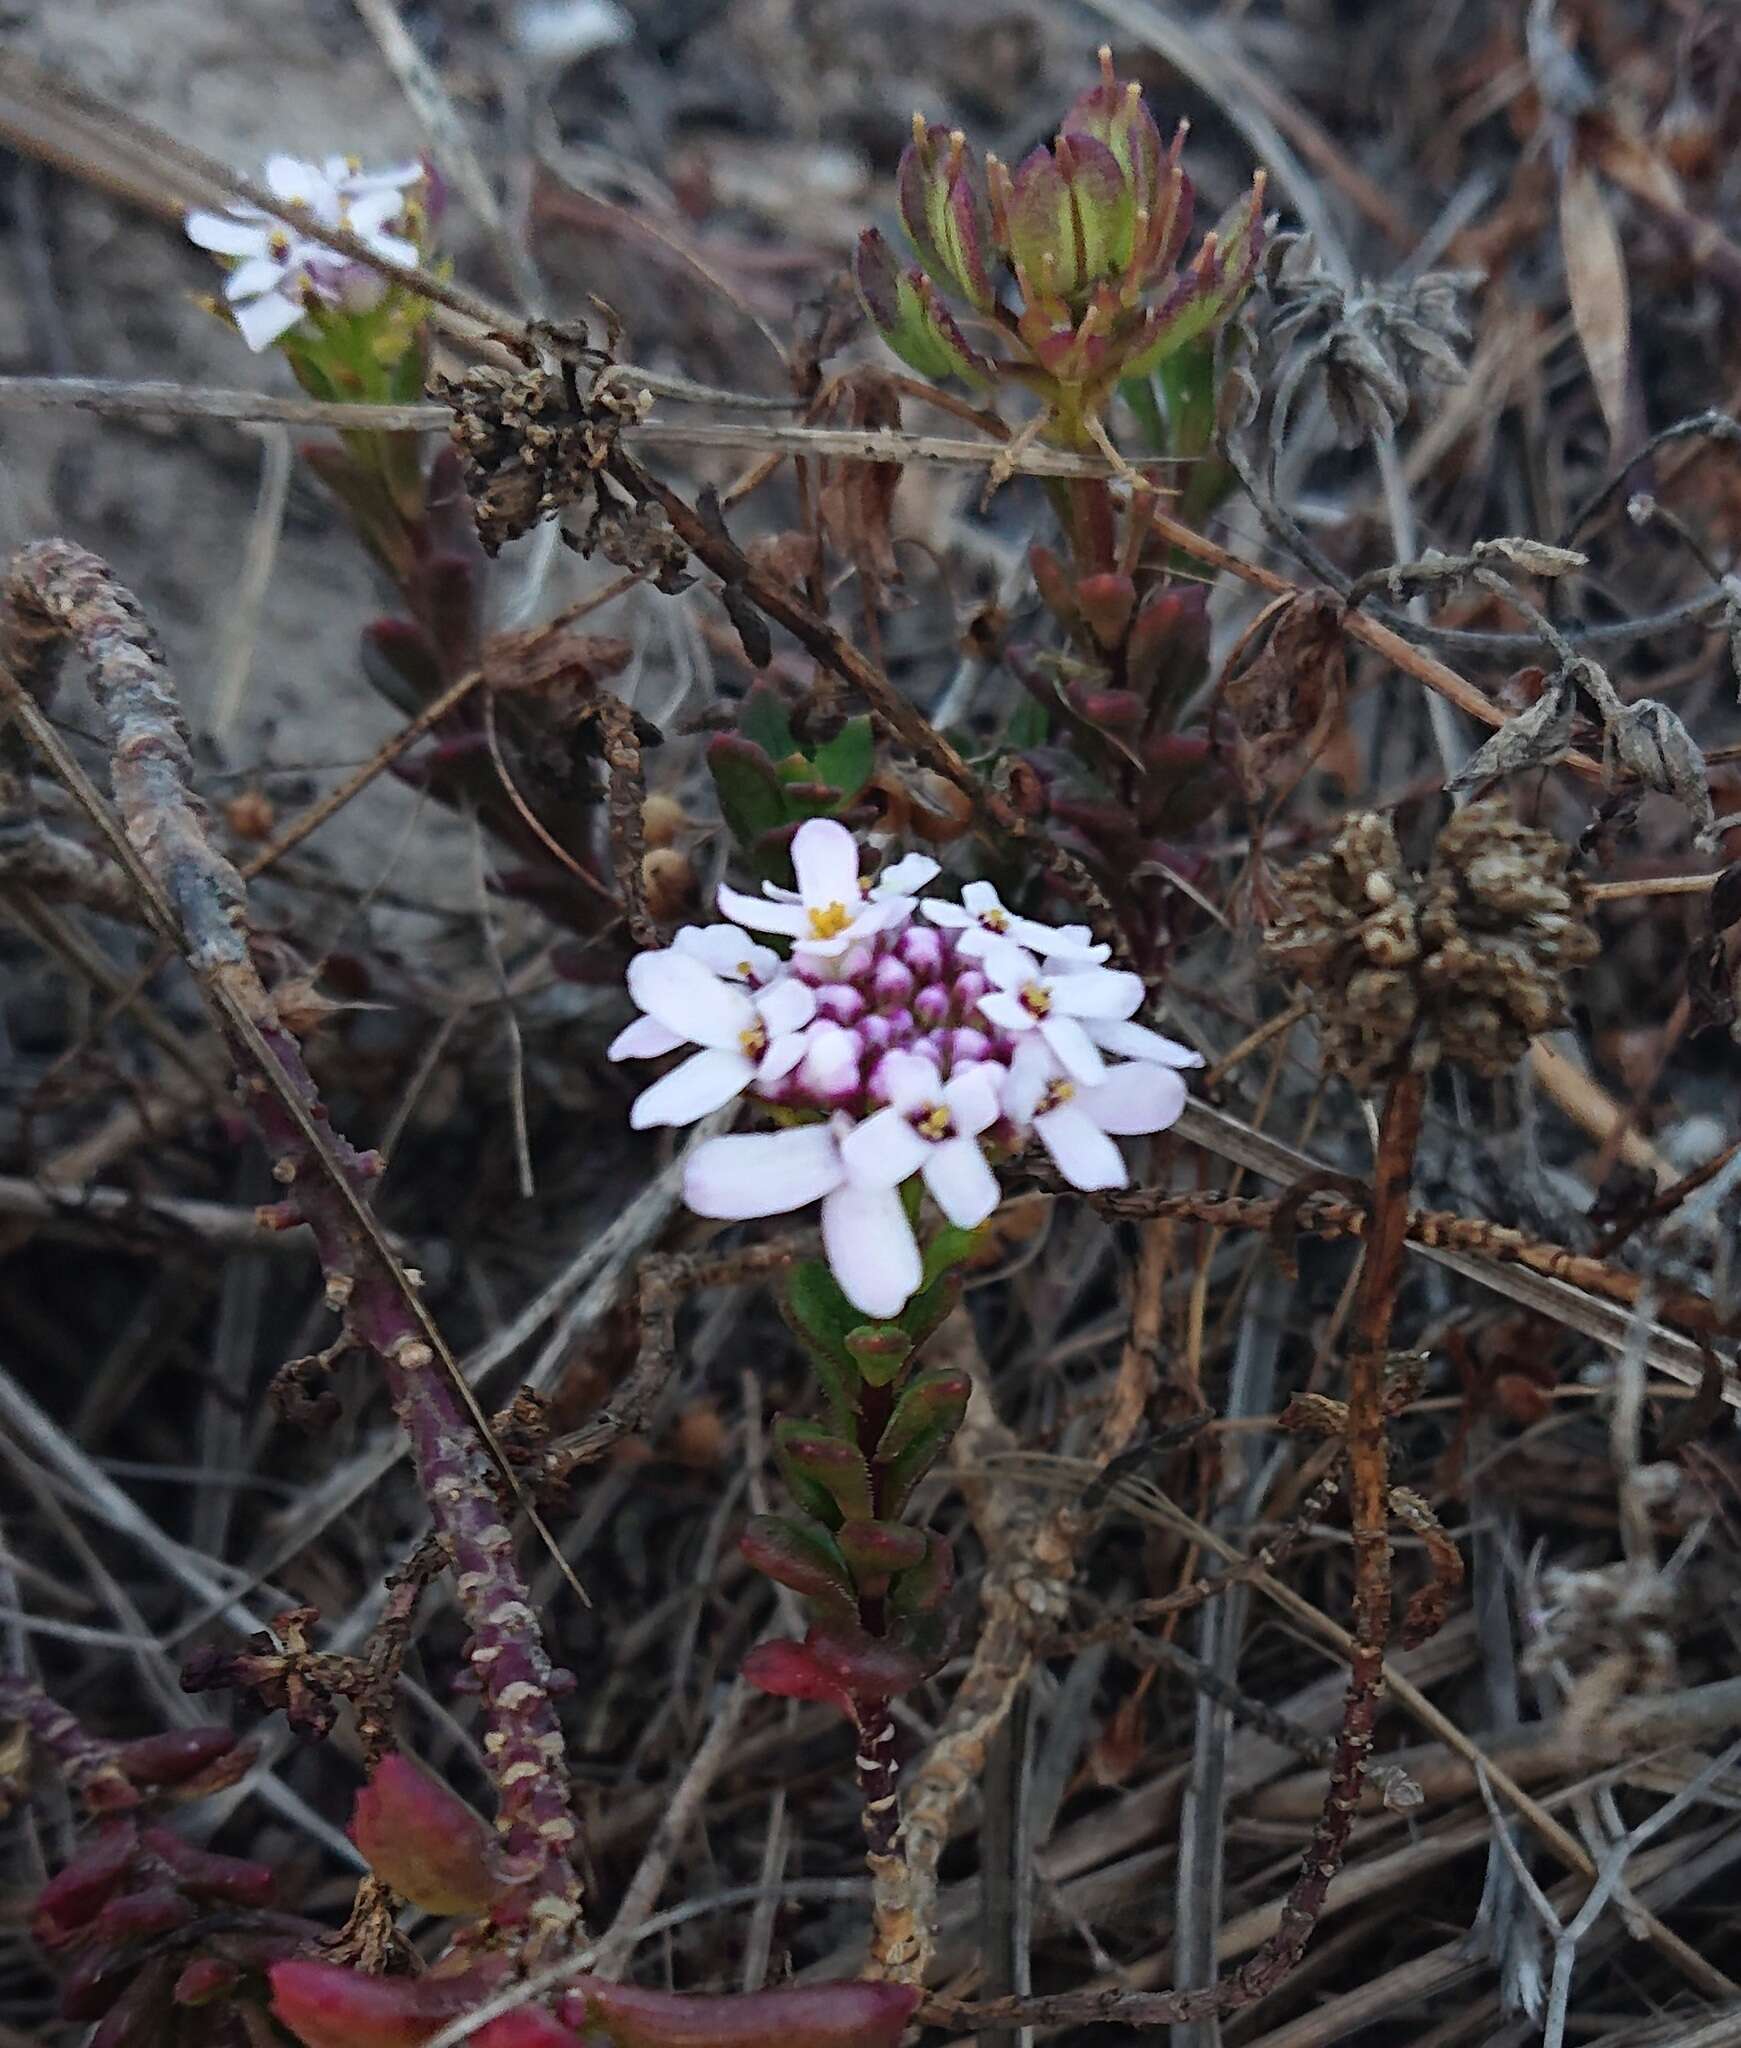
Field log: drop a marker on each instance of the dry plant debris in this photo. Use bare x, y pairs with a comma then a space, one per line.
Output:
1159, 749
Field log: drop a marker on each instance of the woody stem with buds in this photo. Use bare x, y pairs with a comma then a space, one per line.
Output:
58, 599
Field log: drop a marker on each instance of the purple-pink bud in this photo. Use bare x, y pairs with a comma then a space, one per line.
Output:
931, 1006
892, 982
970, 984
877, 1035
920, 946
968, 1047
839, 1004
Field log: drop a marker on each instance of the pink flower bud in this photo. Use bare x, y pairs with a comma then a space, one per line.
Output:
930, 1006
423, 1840
892, 982
970, 984
840, 1004
921, 948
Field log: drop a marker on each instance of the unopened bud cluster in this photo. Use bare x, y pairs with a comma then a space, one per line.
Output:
1075, 254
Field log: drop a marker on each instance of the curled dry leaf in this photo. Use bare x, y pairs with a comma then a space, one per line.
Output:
1285, 697
1597, 286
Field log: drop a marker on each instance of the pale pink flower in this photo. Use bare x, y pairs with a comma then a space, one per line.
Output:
931, 1127
1077, 1124
980, 922
743, 1038
829, 910
1028, 998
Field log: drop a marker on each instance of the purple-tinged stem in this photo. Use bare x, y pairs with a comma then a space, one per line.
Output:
58, 598
89, 1765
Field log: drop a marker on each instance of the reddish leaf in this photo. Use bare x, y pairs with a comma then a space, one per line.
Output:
801, 2016
327, 2006
71, 1900
424, 1840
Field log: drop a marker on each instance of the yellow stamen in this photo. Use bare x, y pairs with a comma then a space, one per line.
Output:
1057, 1095
936, 1123
754, 1041
995, 920
830, 921
1037, 1001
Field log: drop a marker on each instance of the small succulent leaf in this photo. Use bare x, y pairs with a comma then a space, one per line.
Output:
801, 1554
929, 1583
914, 178
74, 1896
868, 1667
820, 1314
421, 1839
222, 1880
925, 1417
876, 1549
815, 1459
847, 759
1103, 212
787, 1671
1042, 228
326, 2005
946, 1249
966, 237
851, 2015
527, 2026
879, 1350
762, 720
1107, 601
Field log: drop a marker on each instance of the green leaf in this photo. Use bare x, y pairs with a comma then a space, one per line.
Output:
811, 799
820, 1316
950, 1247
764, 723
881, 1349
749, 790
847, 759
817, 1462
1028, 727
803, 1555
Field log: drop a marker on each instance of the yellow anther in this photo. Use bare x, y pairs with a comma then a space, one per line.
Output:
830, 921
936, 1123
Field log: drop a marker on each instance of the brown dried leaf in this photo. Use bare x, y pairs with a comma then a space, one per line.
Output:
857, 500
1596, 284
1287, 697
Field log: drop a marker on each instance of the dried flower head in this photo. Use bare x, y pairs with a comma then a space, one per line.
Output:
1367, 342
1466, 962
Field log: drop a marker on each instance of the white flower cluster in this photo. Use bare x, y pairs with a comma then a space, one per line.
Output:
276, 272
916, 1033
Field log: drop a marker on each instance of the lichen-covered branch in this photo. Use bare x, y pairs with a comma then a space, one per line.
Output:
57, 600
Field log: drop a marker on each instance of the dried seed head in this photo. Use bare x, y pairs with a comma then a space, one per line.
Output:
1467, 962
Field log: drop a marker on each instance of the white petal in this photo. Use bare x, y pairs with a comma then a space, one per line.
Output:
961, 1181
1053, 944
763, 1175
645, 1039
1031, 1073
906, 877
762, 916
975, 942
369, 212
950, 915
1135, 1099
1081, 1150
254, 275
1096, 992
224, 236
1138, 1042
981, 897
706, 1081
684, 997
871, 1249
261, 321
1074, 1049
725, 949
786, 1005
1005, 1012
290, 178
883, 1150
825, 860
908, 1079
972, 1100
1008, 966
782, 1055
394, 249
